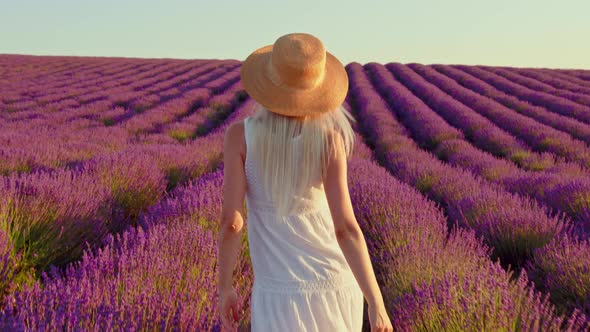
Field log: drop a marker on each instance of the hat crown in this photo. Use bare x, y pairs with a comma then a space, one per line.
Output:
295, 76
297, 60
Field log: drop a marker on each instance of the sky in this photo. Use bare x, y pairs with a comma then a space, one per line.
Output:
516, 33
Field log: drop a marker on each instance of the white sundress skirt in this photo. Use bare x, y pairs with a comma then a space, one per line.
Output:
333, 305
302, 281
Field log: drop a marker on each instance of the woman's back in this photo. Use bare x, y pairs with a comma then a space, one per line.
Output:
302, 280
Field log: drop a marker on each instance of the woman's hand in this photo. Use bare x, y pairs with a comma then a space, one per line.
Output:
228, 304
379, 319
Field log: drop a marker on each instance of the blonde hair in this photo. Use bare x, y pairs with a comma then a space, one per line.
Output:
273, 141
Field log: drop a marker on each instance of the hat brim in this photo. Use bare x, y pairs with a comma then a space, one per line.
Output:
286, 100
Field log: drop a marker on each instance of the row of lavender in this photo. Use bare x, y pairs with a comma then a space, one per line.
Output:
556, 187
103, 194
81, 85
84, 77
211, 144
486, 84
79, 133
179, 117
519, 231
141, 124
428, 113
147, 89
150, 278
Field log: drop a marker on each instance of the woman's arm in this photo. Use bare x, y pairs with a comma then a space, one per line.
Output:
234, 190
349, 235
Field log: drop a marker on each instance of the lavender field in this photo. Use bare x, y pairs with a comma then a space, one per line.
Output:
471, 185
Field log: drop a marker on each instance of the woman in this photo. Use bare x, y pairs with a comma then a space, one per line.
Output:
311, 267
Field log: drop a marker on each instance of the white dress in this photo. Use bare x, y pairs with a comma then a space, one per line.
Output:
302, 281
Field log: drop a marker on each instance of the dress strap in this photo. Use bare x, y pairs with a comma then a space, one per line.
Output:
246, 131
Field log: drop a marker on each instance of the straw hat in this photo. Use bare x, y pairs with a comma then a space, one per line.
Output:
295, 77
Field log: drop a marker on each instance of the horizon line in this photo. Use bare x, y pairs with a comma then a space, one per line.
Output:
132, 57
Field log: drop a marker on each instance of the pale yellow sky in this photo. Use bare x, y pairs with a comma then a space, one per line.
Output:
517, 33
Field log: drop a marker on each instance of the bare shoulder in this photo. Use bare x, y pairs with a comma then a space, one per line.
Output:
235, 129
234, 136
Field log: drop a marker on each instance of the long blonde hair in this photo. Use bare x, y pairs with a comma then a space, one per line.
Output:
273, 145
